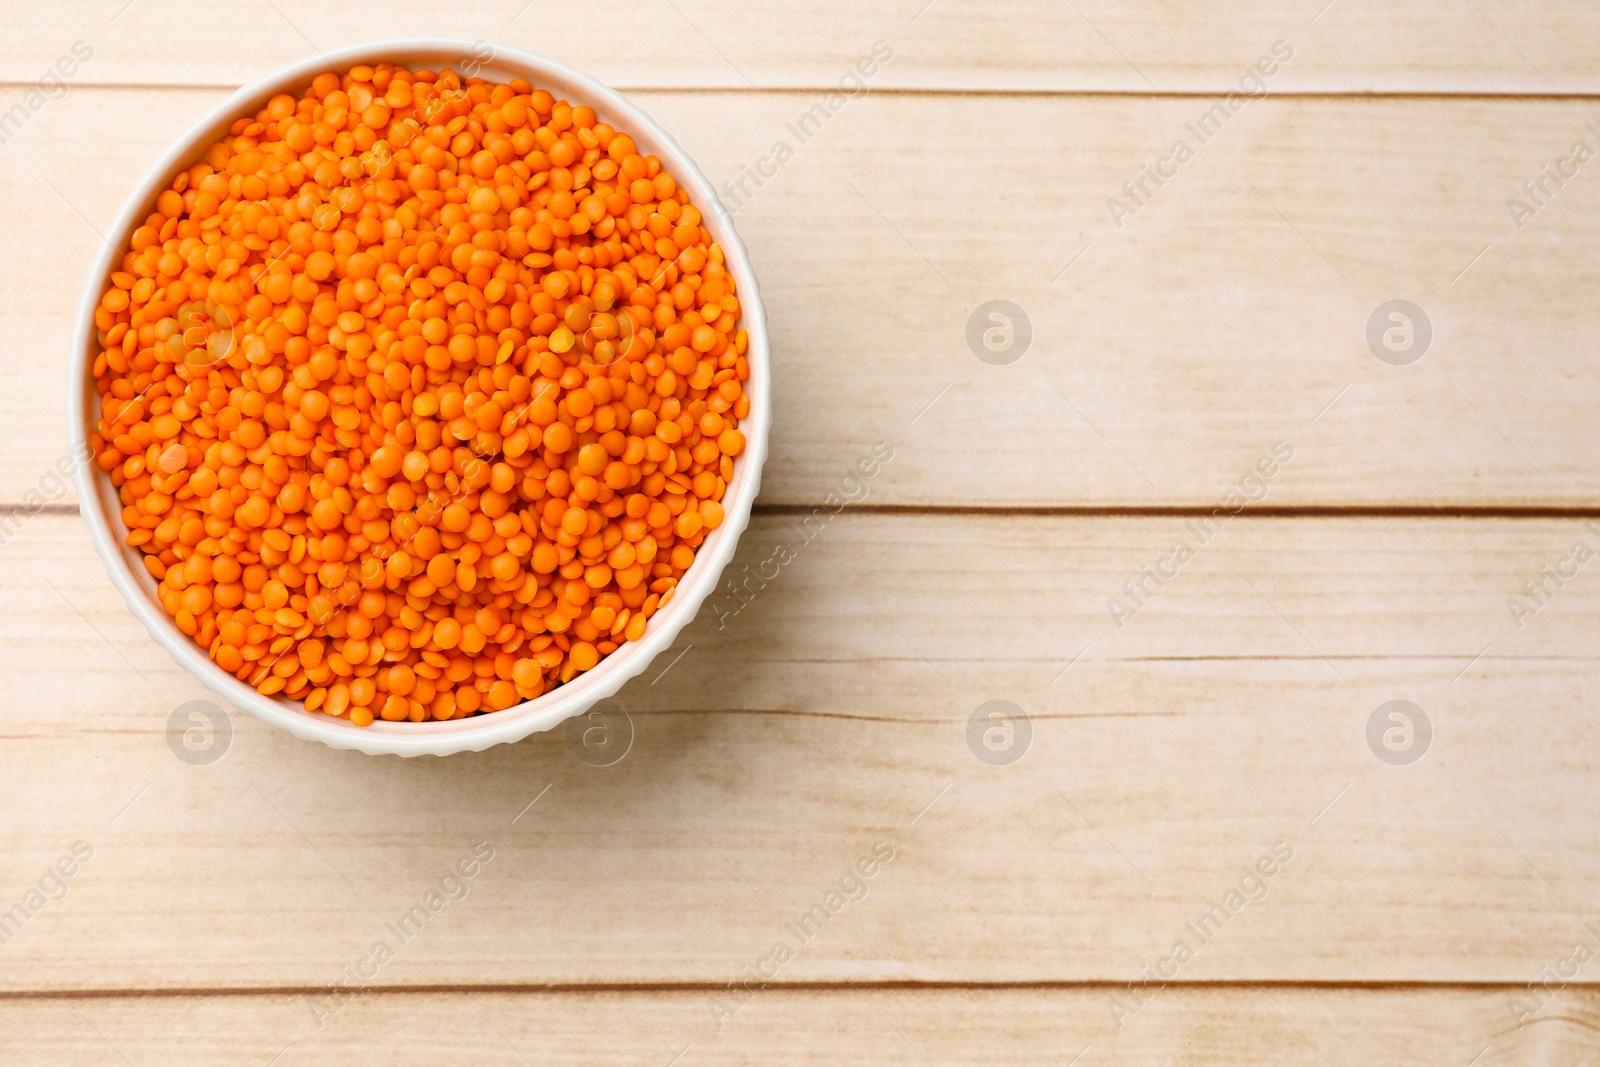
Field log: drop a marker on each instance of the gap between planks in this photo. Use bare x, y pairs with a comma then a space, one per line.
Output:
837, 986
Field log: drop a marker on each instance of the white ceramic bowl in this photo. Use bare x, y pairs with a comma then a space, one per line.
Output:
102, 510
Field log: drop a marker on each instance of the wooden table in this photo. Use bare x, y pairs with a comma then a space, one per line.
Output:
1180, 722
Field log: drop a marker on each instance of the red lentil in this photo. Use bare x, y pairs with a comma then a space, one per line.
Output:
419, 393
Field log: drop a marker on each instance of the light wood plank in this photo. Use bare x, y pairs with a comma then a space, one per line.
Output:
1180, 1025
1173, 754
1229, 314
1353, 45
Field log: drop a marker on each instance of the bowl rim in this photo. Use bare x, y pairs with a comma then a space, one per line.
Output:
478, 732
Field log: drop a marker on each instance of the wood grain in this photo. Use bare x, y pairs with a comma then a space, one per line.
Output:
833, 713
1228, 314
1137, 47
1178, 728
1181, 1025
